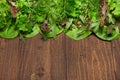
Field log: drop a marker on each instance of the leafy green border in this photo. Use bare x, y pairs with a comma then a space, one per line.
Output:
76, 18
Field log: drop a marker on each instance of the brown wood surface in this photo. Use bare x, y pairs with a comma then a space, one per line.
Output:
60, 59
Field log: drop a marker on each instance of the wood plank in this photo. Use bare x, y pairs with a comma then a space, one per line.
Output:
23, 61
116, 54
61, 59
58, 59
9, 67
89, 59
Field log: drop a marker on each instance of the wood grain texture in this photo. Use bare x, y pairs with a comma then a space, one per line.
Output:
60, 59
90, 59
116, 53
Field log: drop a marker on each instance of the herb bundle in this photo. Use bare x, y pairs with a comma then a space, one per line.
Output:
76, 18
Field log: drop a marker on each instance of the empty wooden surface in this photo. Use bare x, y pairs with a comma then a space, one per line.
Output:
60, 59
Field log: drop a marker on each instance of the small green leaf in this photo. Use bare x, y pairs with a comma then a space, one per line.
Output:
55, 31
78, 33
36, 30
9, 32
102, 33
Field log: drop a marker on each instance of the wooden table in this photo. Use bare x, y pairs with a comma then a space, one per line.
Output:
60, 59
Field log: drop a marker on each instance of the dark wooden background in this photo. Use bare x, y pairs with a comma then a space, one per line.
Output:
60, 59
